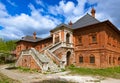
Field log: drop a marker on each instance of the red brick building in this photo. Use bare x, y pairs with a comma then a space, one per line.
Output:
85, 43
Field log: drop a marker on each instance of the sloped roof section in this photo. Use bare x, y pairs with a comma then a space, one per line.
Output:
30, 39
85, 21
59, 26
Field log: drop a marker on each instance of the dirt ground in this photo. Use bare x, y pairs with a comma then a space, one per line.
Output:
37, 77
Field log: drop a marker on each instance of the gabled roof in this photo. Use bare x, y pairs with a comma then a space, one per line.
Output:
85, 21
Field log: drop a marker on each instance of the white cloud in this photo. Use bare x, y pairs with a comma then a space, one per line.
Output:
12, 3
69, 10
109, 10
23, 24
104, 10
3, 11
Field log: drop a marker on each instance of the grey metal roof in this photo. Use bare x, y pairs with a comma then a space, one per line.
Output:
60, 25
30, 39
46, 38
84, 21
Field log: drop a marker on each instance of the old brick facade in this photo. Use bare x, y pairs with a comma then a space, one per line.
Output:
85, 43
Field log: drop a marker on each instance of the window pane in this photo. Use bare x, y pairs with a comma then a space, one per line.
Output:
92, 59
94, 39
80, 59
68, 38
109, 60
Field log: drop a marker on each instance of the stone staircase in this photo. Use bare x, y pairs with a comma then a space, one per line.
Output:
49, 52
51, 66
46, 59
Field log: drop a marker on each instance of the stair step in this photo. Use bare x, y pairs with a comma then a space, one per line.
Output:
44, 58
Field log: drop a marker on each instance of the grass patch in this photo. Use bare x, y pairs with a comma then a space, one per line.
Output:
107, 72
5, 79
24, 69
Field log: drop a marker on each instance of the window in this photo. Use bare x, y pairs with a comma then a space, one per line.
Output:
113, 60
94, 39
79, 40
118, 58
81, 59
56, 38
67, 38
92, 59
109, 60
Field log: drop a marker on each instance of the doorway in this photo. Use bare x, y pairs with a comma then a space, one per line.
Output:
118, 60
68, 58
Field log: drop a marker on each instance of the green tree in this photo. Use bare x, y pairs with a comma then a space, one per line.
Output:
7, 46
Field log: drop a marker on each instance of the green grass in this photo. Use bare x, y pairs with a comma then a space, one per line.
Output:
5, 79
24, 69
107, 72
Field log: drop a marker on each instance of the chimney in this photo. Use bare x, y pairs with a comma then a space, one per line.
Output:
34, 35
93, 12
70, 24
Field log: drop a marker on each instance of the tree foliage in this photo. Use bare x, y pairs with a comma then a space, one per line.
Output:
7, 46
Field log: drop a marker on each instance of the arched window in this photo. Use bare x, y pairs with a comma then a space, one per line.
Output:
92, 59
67, 38
81, 59
109, 60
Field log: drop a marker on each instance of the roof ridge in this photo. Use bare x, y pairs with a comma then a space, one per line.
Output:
87, 19
93, 17
86, 15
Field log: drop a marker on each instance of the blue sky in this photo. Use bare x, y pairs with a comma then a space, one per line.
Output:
22, 17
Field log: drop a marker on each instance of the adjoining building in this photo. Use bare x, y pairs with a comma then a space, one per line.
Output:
85, 43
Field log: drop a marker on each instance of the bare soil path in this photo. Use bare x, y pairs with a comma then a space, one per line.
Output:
37, 77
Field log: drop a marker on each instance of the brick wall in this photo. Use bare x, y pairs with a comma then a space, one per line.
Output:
28, 62
107, 46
